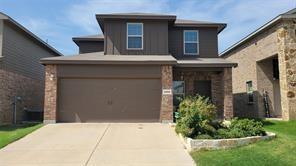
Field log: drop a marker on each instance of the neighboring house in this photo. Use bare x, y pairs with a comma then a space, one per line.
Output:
266, 63
148, 60
21, 74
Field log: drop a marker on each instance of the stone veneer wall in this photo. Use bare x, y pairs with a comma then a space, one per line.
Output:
286, 42
166, 110
221, 87
50, 97
13, 84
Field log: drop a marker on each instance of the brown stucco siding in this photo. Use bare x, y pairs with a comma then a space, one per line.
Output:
13, 84
287, 64
90, 46
155, 39
259, 48
208, 42
50, 96
21, 53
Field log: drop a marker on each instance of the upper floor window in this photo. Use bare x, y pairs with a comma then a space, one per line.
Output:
134, 35
191, 43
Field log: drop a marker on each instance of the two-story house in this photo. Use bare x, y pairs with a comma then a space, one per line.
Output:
148, 60
268, 87
21, 74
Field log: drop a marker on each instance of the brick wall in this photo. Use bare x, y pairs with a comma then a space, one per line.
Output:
217, 87
227, 93
50, 97
166, 110
13, 84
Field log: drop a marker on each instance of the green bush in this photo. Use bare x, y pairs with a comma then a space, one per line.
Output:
239, 128
249, 127
197, 120
196, 116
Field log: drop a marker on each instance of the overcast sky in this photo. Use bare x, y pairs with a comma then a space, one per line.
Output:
59, 20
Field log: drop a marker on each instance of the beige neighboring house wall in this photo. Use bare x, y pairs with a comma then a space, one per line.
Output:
254, 58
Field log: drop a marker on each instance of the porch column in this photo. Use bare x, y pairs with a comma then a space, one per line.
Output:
287, 68
166, 110
227, 93
50, 96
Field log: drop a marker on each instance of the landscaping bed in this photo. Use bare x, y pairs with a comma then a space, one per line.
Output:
214, 144
198, 125
279, 151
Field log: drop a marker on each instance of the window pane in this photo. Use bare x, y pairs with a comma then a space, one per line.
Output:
191, 36
134, 42
249, 87
178, 87
190, 48
134, 29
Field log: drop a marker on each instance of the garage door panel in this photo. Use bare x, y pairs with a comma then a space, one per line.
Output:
98, 100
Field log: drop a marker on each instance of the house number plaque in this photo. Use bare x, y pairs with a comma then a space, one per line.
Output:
166, 91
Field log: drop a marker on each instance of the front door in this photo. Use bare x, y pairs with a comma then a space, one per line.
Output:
203, 88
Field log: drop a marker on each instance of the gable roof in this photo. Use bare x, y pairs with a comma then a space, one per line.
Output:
287, 15
46, 45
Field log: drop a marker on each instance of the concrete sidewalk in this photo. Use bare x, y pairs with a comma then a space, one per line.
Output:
98, 144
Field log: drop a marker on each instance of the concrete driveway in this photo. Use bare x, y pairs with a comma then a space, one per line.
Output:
98, 144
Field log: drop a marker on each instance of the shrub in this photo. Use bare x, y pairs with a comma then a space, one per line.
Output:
249, 127
239, 128
196, 116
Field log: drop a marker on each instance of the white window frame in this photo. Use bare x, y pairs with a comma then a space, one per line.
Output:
127, 36
197, 42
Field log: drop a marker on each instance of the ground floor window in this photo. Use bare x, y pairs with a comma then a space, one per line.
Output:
178, 92
250, 93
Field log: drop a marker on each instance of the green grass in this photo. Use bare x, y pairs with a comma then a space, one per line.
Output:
280, 151
11, 133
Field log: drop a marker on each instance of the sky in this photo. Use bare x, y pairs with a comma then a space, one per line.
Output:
57, 21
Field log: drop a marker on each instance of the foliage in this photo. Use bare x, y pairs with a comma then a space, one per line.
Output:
196, 116
197, 120
280, 151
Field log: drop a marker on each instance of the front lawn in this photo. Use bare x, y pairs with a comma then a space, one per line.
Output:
280, 151
11, 133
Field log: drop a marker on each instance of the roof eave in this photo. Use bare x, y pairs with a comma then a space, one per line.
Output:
101, 17
96, 62
207, 65
5, 17
220, 26
255, 33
